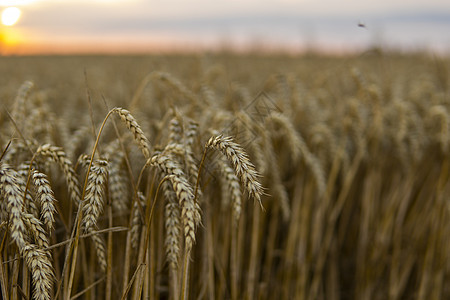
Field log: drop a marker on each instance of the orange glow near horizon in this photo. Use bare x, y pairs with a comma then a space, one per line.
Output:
10, 37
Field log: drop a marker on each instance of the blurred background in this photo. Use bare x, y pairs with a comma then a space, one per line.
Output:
143, 26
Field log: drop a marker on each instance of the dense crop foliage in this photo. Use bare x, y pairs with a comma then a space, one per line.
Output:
225, 177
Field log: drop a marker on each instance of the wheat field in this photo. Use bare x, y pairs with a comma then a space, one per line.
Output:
224, 176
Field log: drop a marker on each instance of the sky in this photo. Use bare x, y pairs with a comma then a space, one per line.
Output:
135, 26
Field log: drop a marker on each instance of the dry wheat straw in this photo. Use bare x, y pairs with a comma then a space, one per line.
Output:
134, 127
39, 264
298, 146
174, 83
440, 112
244, 169
275, 178
59, 156
45, 198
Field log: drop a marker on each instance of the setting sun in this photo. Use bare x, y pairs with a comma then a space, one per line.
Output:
10, 16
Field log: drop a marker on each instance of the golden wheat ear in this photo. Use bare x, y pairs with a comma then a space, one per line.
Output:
243, 168
58, 155
38, 262
135, 128
190, 210
45, 197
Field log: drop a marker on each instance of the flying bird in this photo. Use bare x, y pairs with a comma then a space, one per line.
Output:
362, 25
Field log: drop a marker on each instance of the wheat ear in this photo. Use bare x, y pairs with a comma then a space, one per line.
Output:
136, 221
172, 224
59, 156
18, 111
233, 187
38, 262
190, 211
45, 198
14, 198
175, 129
35, 227
134, 127
93, 203
100, 249
118, 182
30, 205
243, 168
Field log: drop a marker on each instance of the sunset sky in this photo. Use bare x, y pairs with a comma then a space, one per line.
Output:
121, 26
